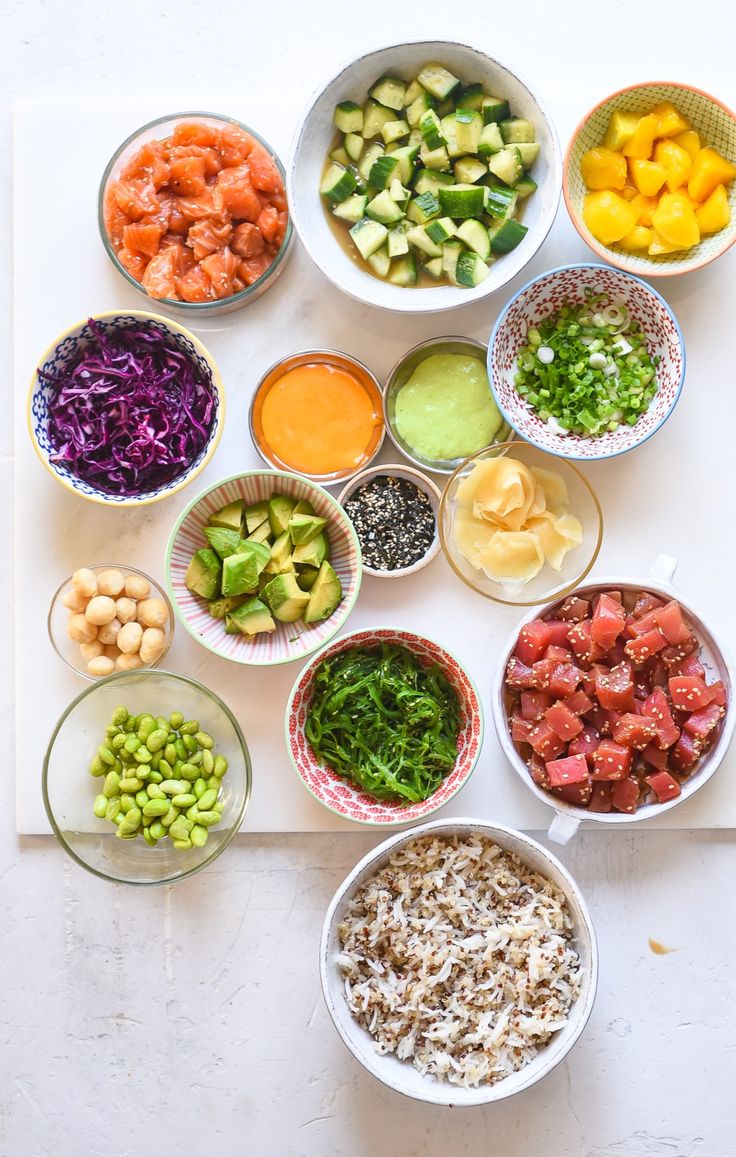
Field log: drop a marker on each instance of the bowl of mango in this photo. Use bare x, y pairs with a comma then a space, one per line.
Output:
650, 179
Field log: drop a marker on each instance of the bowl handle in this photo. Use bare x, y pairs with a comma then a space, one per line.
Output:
563, 828
663, 568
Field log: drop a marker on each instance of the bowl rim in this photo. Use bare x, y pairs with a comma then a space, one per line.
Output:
424, 464
98, 566
493, 831
512, 445
324, 355
147, 499
656, 585
476, 709
642, 285
229, 834
193, 308
612, 256
347, 604
422, 482
469, 297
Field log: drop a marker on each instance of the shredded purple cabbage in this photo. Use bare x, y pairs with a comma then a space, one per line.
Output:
130, 413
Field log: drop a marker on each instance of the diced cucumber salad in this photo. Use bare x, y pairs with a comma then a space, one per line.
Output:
430, 177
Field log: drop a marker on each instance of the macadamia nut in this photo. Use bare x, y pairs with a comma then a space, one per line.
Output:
100, 666
129, 638
126, 609
75, 601
100, 610
110, 582
136, 587
85, 582
128, 662
152, 612
80, 629
152, 645
91, 650
109, 632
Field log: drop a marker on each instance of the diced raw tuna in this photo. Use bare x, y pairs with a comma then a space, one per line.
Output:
585, 743
518, 674
686, 752
635, 731
672, 655
717, 693
545, 742
558, 632
538, 771
599, 719
542, 673
657, 708
702, 722
655, 756
600, 799
521, 729
645, 603
690, 665
688, 693
615, 690
576, 793
671, 623
611, 760
573, 769
579, 702
640, 649
664, 786
625, 795
609, 620
534, 704
573, 609
563, 721
565, 680
533, 641
559, 654
582, 644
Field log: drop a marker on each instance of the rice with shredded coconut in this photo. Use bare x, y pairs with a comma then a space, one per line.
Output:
459, 957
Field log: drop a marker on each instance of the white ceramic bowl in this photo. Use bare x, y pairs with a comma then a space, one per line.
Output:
401, 1076
568, 817
544, 296
423, 483
313, 139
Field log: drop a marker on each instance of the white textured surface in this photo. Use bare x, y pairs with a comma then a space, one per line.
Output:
190, 1021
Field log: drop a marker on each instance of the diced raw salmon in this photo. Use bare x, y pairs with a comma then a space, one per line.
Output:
187, 176
263, 172
247, 241
159, 278
195, 286
135, 263
251, 268
142, 238
150, 164
136, 198
195, 133
221, 268
208, 236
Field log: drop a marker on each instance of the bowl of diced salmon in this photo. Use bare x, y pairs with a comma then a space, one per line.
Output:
193, 212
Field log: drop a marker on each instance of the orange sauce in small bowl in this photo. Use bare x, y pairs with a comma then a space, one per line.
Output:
319, 414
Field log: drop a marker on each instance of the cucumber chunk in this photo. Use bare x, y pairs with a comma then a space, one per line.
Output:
423, 208
406, 156
419, 238
397, 241
348, 117
380, 262
468, 170
431, 130
490, 141
493, 109
475, 235
416, 110
382, 171
394, 131
468, 127
354, 145
403, 270
449, 132
470, 270
528, 151
500, 201
437, 80
398, 192
375, 116
389, 91
371, 154
413, 91
461, 200
353, 209
517, 130
506, 165
434, 267
508, 237
428, 181
525, 186
337, 184
383, 208
451, 253
340, 155
368, 236
470, 97
435, 158
441, 230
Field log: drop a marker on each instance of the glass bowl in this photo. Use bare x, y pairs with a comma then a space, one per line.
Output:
157, 130
58, 617
69, 789
333, 359
400, 375
548, 584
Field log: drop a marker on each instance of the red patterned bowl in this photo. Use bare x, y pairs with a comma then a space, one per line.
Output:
343, 797
544, 296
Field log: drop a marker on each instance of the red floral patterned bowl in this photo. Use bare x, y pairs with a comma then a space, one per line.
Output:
343, 797
545, 295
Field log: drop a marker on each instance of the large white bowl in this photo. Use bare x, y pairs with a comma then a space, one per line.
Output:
312, 143
401, 1075
568, 817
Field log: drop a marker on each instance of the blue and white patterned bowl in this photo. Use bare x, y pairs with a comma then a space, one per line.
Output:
544, 296
66, 347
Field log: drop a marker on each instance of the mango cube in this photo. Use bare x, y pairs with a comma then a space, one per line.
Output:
670, 120
629, 192
658, 245
709, 170
637, 239
676, 161
645, 207
602, 168
620, 129
674, 219
647, 176
641, 142
608, 216
715, 213
689, 141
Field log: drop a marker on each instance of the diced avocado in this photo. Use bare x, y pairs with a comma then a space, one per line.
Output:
261, 533
240, 571
303, 507
280, 510
230, 517
280, 554
306, 577
325, 595
253, 618
286, 598
231, 628
220, 608
312, 553
255, 515
223, 542
203, 573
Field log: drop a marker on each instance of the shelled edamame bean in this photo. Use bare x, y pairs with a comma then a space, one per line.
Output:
162, 779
